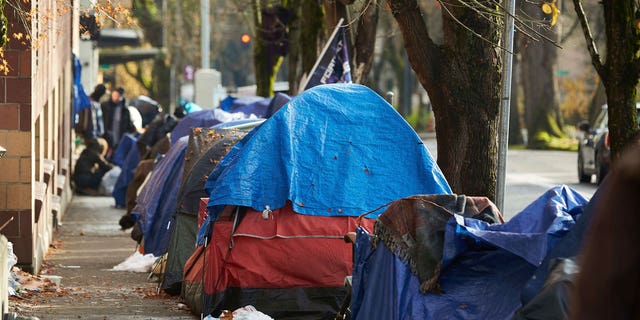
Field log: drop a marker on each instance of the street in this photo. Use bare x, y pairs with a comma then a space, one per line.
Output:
531, 172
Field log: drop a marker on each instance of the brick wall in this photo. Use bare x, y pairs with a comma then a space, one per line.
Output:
34, 102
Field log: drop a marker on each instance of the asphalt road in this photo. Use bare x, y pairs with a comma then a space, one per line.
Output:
532, 172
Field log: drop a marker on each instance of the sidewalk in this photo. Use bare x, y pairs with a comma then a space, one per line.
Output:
88, 244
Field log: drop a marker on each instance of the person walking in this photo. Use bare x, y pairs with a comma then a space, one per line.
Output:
117, 120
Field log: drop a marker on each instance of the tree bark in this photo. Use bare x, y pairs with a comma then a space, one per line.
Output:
622, 68
515, 128
462, 78
540, 87
620, 72
365, 41
265, 59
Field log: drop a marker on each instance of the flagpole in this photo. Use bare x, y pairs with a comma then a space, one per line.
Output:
324, 50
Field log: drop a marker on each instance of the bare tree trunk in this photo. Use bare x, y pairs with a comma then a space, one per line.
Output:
620, 71
539, 87
266, 59
515, 128
623, 72
365, 41
462, 78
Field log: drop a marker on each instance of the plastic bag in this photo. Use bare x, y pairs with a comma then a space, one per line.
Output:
109, 181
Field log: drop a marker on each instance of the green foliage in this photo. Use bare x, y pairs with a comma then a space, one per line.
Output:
419, 119
542, 140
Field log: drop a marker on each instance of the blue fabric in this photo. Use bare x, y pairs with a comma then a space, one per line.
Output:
485, 267
122, 150
156, 203
80, 99
227, 103
480, 285
257, 106
203, 119
278, 101
128, 166
569, 246
335, 150
531, 234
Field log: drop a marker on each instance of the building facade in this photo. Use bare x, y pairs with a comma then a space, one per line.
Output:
35, 125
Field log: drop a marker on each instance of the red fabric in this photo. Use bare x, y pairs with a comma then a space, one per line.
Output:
202, 212
284, 251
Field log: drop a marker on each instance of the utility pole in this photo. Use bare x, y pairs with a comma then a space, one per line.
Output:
505, 104
205, 34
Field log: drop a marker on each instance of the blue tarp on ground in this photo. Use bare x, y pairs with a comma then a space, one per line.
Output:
485, 272
156, 203
333, 150
127, 157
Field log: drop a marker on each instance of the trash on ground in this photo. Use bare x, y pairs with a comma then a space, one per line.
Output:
245, 313
136, 263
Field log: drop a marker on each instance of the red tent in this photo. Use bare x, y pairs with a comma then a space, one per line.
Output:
287, 265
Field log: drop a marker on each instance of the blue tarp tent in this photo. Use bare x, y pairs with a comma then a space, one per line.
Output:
485, 267
203, 119
127, 158
156, 203
258, 106
334, 150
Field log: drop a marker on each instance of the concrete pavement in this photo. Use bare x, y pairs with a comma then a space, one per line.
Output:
88, 244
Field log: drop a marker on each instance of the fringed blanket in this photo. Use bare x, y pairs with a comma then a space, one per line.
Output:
413, 228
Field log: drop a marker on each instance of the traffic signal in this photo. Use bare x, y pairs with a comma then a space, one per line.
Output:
245, 38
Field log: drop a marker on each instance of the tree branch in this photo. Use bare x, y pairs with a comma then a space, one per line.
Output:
591, 44
418, 43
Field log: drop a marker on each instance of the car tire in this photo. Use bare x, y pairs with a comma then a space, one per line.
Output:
601, 172
582, 177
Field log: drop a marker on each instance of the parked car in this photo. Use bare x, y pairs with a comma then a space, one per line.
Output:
593, 150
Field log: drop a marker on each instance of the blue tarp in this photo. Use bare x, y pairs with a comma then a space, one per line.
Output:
122, 150
485, 272
80, 99
127, 158
333, 150
249, 105
156, 203
203, 119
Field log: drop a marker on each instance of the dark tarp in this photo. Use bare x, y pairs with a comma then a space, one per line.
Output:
204, 151
485, 267
156, 202
147, 107
278, 101
128, 166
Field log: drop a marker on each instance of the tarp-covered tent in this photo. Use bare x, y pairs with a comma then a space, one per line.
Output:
332, 153
484, 267
334, 150
204, 119
156, 202
128, 164
147, 107
287, 265
248, 105
205, 149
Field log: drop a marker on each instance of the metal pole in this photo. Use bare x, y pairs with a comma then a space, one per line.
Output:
505, 104
204, 34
